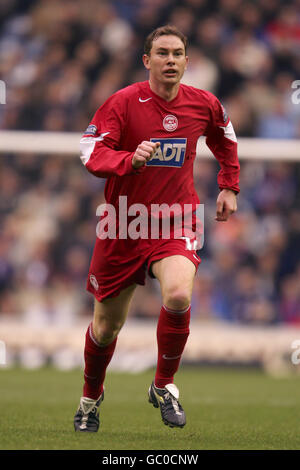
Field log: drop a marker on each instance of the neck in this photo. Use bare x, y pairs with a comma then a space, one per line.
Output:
167, 92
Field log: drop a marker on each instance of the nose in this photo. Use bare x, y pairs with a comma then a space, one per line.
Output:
171, 59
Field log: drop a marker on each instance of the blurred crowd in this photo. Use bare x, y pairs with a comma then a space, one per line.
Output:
60, 60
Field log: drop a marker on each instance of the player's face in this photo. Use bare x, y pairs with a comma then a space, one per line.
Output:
167, 60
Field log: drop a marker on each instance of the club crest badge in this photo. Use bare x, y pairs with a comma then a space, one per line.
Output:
170, 123
94, 282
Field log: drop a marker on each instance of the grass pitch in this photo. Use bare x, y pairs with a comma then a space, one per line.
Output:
226, 409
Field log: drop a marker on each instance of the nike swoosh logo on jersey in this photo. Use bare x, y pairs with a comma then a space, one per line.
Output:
87, 145
170, 358
101, 137
144, 101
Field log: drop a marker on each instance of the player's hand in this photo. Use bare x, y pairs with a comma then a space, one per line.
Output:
144, 153
226, 205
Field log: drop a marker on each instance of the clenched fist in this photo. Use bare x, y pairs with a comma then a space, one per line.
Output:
144, 153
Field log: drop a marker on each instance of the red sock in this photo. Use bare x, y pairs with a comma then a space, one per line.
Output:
96, 360
172, 334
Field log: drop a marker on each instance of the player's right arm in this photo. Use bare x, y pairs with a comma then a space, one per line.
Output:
100, 146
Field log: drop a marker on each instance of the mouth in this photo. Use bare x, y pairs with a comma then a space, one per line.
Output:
170, 73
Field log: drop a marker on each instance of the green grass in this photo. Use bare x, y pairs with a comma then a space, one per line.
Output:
226, 409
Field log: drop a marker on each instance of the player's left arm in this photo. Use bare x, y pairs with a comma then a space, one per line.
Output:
226, 205
222, 141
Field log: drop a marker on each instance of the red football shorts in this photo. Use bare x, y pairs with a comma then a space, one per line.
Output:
116, 264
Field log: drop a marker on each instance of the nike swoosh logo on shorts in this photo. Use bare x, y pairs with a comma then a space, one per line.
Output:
196, 257
170, 358
144, 101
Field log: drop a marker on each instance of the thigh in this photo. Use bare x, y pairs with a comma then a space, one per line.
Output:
175, 272
115, 265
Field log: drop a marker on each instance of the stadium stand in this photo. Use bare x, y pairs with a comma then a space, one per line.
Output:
60, 61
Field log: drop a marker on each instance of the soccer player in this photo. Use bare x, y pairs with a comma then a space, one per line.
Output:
143, 141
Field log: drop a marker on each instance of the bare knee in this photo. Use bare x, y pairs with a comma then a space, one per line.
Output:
105, 332
110, 316
177, 298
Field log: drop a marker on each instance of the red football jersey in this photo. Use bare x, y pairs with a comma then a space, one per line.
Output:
135, 114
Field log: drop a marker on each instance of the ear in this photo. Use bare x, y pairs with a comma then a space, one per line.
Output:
146, 61
186, 62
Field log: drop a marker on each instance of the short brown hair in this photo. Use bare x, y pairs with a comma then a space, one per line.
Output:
167, 30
